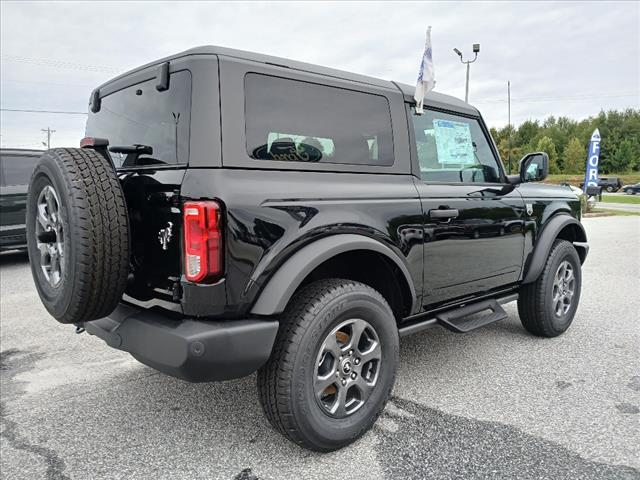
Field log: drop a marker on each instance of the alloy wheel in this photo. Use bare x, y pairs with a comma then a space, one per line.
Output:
347, 368
50, 235
564, 284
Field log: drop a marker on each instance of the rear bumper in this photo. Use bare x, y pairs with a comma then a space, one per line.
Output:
194, 350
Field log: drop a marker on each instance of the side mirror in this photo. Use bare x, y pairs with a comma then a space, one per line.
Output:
534, 167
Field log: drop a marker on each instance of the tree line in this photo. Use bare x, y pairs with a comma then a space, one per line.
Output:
566, 141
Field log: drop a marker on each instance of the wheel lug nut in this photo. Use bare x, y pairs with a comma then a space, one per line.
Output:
344, 382
353, 375
357, 361
350, 352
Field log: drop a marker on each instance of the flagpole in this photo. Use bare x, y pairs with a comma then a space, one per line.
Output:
509, 121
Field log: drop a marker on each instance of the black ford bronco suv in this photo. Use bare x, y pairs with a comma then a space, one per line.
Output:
230, 212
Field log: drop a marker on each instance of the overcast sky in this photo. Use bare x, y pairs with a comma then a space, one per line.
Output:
570, 59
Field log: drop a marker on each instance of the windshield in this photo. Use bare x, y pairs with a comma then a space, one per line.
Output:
141, 115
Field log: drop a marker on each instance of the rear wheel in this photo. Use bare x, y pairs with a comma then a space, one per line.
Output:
77, 234
333, 364
548, 305
610, 189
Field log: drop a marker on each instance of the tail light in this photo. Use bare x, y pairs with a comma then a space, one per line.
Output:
93, 142
203, 253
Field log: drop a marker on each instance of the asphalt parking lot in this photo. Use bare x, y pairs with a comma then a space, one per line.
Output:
495, 403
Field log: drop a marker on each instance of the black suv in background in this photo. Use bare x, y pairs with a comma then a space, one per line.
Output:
231, 212
610, 184
16, 166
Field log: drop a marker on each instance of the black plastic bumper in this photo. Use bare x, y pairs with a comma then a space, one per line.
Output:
194, 350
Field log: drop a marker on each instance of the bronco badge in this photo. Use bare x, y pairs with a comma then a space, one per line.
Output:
165, 235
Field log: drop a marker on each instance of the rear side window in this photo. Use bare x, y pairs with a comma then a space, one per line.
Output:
141, 115
294, 121
16, 169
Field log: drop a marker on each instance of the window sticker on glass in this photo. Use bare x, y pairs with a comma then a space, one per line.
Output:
453, 142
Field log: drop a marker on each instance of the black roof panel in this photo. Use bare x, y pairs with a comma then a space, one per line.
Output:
432, 98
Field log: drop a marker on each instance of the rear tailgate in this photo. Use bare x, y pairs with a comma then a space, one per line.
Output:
153, 202
147, 127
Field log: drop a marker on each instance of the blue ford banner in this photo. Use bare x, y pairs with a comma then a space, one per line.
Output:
591, 177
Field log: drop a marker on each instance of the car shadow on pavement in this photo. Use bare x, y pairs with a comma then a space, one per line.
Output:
218, 431
8, 259
410, 440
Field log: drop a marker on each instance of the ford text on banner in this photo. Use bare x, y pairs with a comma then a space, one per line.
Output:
591, 177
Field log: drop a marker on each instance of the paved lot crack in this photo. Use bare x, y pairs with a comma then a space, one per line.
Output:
245, 474
417, 442
13, 362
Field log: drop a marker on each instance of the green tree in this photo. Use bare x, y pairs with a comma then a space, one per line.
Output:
504, 150
574, 157
545, 144
619, 149
625, 156
526, 133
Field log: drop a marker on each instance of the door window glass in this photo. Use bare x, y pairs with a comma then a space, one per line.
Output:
452, 148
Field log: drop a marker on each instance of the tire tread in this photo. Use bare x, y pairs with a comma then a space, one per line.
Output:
100, 233
275, 377
532, 302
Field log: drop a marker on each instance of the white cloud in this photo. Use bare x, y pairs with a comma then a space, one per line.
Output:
547, 50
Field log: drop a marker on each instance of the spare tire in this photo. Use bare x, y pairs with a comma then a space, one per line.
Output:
77, 234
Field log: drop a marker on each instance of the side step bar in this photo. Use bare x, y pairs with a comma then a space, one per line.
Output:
466, 318
476, 315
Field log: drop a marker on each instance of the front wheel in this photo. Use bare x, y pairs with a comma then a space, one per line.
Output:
548, 305
333, 364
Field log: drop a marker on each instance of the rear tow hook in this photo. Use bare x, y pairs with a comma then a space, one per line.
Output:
79, 328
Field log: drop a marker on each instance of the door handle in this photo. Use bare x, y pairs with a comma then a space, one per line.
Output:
444, 213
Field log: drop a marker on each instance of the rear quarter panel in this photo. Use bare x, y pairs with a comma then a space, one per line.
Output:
271, 214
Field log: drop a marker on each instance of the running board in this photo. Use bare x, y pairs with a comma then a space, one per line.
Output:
476, 315
462, 319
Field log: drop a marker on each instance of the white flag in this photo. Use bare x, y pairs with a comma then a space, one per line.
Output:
427, 75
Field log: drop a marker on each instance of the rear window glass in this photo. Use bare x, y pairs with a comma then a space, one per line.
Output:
293, 121
141, 115
16, 169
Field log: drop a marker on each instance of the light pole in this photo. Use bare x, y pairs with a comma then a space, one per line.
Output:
476, 49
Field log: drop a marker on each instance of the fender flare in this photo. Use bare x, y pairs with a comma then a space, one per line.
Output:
543, 245
279, 289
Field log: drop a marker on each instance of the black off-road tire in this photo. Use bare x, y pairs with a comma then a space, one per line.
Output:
535, 304
285, 383
94, 226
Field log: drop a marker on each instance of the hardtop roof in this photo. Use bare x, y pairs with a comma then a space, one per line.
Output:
435, 99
